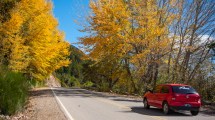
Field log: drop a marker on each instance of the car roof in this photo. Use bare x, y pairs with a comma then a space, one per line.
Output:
175, 84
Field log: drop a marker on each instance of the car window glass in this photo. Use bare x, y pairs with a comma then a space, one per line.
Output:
157, 89
183, 89
165, 89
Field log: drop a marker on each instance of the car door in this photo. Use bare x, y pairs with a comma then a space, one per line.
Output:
162, 95
150, 98
156, 93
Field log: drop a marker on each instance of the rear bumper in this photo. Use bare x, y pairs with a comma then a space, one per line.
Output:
194, 106
184, 108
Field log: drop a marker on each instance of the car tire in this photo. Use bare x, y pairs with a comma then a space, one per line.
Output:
166, 109
194, 113
145, 103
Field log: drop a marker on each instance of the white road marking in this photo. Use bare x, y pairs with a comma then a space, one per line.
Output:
68, 115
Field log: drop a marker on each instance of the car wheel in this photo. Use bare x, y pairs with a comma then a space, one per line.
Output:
166, 109
194, 112
145, 103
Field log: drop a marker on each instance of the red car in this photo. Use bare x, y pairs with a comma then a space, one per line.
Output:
173, 97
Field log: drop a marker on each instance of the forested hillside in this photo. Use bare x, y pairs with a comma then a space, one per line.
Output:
72, 75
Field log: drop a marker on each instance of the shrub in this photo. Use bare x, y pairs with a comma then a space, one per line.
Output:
13, 92
88, 84
37, 83
74, 82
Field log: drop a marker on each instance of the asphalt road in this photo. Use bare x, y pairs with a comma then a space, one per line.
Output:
82, 104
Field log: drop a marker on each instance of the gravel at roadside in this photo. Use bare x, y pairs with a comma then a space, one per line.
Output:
45, 106
41, 106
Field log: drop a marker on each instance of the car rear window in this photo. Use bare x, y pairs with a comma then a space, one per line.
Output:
183, 89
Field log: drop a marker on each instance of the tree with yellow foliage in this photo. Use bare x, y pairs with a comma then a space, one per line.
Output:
31, 42
134, 32
150, 37
107, 43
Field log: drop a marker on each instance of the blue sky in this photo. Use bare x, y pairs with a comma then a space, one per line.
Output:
69, 11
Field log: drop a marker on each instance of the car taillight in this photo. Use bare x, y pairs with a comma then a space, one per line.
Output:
199, 101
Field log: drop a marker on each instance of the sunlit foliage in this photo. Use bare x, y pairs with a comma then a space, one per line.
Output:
30, 40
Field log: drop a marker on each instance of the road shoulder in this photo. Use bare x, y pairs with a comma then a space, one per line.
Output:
41, 105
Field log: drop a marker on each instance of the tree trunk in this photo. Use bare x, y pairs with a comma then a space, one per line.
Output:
130, 75
156, 66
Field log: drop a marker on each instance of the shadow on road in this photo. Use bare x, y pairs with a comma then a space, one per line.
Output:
127, 100
44, 92
159, 112
208, 112
85, 93
156, 112
79, 93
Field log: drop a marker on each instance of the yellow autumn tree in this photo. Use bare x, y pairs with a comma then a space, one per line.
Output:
107, 43
134, 32
150, 37
6, 7
109, 20
32, 41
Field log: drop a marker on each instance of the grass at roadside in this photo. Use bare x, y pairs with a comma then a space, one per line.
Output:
13, 92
